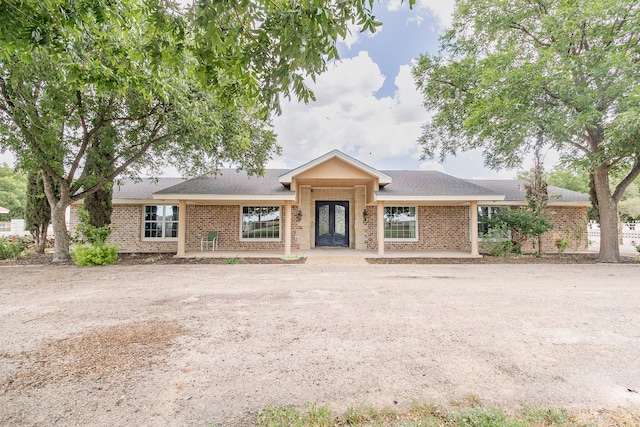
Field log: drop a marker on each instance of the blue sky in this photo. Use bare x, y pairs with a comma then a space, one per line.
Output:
367, 104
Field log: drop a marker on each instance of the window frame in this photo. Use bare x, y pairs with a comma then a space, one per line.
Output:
402, 239
260, 239
165, 221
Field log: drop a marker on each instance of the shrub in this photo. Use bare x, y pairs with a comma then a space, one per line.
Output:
11, 248
104, 254
495, 242
562, 243
523, 224
87, 233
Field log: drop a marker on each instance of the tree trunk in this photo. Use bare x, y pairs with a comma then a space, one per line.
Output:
61, 235
58, 208
41, 237
608, 211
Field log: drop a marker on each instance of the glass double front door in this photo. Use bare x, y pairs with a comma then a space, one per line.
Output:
332, 224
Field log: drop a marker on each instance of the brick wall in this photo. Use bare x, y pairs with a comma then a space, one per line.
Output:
226, 220
126, 226
569, 221
127, 229
439, 228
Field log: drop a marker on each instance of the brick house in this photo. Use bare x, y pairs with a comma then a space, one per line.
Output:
334, 200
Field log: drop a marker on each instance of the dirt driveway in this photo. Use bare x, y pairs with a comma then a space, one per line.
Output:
212, 344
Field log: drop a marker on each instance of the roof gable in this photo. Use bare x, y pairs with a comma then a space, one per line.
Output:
335, 165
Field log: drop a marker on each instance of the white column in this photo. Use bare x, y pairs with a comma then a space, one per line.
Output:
287, 228
473, 227
182, 227
380, 228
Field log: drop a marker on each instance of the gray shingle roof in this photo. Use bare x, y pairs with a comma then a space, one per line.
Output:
128, 189
230, 182
431, 183
514, 190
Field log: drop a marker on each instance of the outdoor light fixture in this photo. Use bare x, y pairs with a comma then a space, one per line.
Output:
299, 215
365, 214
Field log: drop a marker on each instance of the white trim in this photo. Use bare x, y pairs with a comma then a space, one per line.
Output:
138, 202
383, 178
233, 197
577, 204
408, 239
384, 198
143, 238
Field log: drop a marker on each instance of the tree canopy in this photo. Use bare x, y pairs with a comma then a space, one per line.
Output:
511, 72
162, 85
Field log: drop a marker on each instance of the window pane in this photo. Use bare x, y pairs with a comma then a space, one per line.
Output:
400, 223
261, 222
161, 222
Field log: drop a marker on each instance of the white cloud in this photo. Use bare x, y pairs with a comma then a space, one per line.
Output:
443, 9
432, 166
354, 31
394, 5
353, 36
7, 158
349, 117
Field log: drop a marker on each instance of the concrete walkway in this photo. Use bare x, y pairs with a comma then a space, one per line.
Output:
330, 255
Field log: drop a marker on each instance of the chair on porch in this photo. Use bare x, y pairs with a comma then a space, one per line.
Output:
211, 238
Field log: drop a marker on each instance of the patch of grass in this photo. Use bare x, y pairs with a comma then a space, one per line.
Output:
545, 417
369, 415
467, 412
234, 260
284, 416
290, 257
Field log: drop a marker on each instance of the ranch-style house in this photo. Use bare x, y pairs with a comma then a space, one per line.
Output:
334, 200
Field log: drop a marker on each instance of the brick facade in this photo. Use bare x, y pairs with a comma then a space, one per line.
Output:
566, 221
127, 229
439, 227
226, 220
126, 226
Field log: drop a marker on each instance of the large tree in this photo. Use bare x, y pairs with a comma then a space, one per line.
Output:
509, 70
169, 86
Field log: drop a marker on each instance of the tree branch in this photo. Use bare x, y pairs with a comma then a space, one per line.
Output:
522, 29
631, 176
117, 171
85, 138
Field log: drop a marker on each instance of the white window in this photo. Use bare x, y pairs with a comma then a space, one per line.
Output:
260, 223
160, 222
400, 223
485, 215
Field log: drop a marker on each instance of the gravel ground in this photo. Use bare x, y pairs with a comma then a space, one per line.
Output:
203, 345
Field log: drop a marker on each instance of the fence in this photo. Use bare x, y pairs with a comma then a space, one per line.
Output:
630, 231
15, 227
